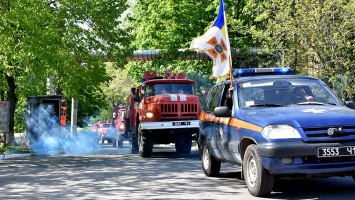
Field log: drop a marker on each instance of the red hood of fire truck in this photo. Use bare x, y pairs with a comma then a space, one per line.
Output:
155, 81
173, 98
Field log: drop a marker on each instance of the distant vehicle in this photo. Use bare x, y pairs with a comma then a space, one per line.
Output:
95, 127
103, 132
118, 134
276, 126
163, 110
95, 131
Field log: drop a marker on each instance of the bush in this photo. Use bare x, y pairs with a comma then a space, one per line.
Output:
14, 150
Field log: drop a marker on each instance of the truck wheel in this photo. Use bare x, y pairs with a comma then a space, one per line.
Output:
98, 137
102, 139
145, 143
134, 143
258, 180
183, 146
210, 165
120, 143
114, 142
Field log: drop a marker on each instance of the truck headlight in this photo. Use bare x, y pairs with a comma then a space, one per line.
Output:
149, 115
280, 132
121, 126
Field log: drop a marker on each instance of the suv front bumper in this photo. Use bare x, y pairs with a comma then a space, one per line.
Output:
301, 158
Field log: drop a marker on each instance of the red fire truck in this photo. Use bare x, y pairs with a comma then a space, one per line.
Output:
162, 110
118, 124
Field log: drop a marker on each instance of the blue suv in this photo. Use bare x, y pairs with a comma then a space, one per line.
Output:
276, 125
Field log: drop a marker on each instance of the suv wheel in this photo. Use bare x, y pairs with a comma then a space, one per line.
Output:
210, 165
258, 180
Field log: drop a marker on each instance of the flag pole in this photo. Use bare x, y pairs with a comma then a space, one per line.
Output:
230, 77
229, 52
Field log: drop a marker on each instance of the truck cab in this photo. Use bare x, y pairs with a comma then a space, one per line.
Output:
163, 110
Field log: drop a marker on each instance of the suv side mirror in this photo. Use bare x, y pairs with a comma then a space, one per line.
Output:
222, 111
350, 104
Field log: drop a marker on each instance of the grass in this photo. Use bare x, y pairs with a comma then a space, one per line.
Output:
16, 147
13, 150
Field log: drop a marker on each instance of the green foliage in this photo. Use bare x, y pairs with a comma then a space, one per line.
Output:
315, 37
66, 40
20, 116
167, 24
71, 41
115, 92
14, 150
170, 26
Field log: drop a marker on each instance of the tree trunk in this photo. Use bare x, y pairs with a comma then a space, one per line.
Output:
11, 96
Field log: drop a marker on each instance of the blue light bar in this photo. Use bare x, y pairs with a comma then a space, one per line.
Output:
256, 71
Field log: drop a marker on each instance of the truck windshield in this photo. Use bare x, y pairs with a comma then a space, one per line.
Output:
170, 88
106, 125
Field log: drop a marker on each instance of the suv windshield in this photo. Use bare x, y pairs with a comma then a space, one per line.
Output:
283, 92
106, 125
170, 88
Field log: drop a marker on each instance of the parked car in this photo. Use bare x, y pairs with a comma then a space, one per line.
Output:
276, 126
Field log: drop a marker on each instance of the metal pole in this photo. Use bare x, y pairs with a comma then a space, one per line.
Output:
74, 116
50, 86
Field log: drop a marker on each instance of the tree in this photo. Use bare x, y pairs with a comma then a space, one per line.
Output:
68, 40
314, 37
167, 26
115, 91
170, 26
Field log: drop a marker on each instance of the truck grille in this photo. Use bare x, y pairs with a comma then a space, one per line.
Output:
179, 111
321, 134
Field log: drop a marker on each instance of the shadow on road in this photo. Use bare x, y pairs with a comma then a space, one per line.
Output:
112, 174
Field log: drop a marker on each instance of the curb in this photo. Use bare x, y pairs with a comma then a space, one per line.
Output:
9, 156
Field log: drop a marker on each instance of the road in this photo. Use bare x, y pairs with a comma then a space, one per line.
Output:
115, 174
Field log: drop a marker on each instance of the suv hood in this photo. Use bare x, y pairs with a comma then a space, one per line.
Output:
300, 116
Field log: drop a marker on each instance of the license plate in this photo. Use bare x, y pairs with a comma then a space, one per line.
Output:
181, 123
336, 151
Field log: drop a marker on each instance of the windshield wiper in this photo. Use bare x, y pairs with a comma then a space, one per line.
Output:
311, 103
266, 105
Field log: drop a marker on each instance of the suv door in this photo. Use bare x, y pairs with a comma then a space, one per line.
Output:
209, 126
223, 130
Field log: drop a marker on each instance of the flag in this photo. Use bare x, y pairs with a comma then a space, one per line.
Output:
215, 43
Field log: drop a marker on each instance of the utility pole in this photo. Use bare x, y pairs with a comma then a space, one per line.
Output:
74, 117
50, 86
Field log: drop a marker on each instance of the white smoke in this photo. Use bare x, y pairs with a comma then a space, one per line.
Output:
47, 137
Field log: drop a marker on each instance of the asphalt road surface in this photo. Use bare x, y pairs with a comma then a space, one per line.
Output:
113, 173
